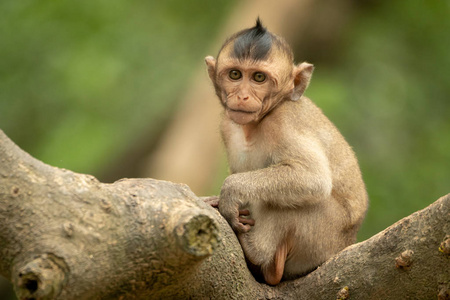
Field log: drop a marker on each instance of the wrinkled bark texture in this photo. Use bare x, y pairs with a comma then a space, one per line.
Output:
65, 235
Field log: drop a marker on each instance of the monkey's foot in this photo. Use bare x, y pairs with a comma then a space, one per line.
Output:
211, 200
244, 222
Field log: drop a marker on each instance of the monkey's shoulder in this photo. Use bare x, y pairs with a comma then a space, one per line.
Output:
302, 124
302, 117
304, 112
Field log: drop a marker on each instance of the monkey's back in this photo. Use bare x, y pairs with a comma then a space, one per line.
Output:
348, 187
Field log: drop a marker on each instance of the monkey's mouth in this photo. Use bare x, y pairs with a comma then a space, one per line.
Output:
241, 111
240, 116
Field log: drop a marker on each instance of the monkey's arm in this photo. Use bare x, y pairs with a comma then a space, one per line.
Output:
288, 184
297, 182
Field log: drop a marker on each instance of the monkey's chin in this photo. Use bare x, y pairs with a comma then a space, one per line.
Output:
241, 117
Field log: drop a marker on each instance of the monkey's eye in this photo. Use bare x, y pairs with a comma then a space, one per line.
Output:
259, 77
235, 74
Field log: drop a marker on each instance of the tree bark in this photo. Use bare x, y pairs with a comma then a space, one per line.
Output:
65, 235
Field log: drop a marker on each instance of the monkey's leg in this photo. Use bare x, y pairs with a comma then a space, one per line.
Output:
273, 272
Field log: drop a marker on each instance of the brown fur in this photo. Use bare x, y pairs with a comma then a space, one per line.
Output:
291, 168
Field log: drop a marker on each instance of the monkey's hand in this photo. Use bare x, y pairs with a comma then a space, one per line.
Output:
236, 217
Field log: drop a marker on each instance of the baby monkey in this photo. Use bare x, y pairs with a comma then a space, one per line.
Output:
296, 196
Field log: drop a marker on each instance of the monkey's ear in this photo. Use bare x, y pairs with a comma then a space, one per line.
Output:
302, 75
211, 64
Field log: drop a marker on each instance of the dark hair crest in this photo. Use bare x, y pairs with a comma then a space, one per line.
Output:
253, 43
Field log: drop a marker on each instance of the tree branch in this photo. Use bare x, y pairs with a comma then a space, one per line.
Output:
65, 235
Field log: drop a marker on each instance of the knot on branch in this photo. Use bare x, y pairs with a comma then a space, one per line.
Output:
343, 294
40, 279
444, 292
404, 260
445, 245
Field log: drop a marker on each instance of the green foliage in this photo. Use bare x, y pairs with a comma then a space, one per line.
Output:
80, 80
389, 95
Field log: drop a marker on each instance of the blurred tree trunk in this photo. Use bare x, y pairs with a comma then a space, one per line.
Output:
67, 236
189, 151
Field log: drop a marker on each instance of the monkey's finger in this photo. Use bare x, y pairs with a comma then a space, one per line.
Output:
241, 228
244, 212
244, 221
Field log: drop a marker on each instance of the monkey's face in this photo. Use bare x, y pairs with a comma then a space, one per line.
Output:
254, 72
245, 90
249, 89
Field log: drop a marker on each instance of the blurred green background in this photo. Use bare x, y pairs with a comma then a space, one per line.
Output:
79, 81
82, 81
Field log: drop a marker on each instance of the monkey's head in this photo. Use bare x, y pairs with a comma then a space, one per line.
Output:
254, 72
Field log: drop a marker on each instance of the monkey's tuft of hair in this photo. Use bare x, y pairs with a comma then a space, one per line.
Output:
253, 43
260, 26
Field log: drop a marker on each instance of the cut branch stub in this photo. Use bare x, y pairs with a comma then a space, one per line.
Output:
40, 279
197, 235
